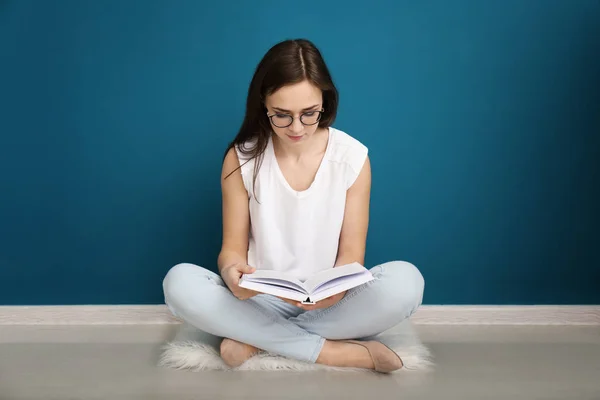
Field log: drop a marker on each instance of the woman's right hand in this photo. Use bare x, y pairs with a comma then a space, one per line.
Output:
231, 276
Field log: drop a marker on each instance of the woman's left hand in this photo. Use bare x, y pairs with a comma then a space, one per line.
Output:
325, 303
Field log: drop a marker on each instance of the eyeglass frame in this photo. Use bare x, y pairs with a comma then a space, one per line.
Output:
321, 111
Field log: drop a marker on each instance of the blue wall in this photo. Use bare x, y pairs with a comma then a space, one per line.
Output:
482, 119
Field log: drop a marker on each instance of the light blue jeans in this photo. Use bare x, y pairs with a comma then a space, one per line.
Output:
201, 298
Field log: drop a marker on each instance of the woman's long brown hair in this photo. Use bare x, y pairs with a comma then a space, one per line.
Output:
286, 63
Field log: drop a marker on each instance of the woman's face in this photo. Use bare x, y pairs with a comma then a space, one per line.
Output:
300, 100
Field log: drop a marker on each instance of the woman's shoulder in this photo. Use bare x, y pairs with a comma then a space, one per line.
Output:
243, 155
347, 148
240, 159
244, 149
350, 152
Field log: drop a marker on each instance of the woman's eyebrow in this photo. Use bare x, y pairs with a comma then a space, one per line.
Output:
288, 111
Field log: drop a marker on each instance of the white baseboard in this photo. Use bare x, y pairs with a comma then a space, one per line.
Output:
508, 315
426, 315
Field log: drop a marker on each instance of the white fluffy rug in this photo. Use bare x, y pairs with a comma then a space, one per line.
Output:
195, 350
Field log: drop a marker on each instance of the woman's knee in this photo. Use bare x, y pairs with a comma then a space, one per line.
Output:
177, 277
403, 282
183, 285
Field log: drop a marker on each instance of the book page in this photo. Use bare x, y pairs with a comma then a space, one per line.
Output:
322, 277
341, 281
339, 285
264, 275
278, 282
278, 291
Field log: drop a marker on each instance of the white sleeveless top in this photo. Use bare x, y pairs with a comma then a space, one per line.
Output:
298, 232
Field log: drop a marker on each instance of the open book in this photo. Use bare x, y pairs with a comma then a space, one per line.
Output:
318, 287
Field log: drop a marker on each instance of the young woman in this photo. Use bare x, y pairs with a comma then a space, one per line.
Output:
296, 195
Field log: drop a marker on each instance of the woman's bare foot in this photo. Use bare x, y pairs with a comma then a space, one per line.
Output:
354, 354
236, 353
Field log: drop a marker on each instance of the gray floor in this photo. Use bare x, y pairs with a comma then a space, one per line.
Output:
473, 362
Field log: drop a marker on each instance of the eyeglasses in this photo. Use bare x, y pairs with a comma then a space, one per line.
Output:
285, 120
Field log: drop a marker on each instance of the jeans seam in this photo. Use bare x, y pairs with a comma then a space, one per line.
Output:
318, 349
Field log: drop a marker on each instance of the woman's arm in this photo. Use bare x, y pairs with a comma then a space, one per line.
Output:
353, 238
236, 216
